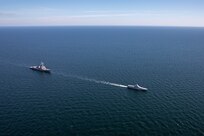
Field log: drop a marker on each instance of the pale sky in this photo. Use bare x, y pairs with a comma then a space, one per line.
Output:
102, 12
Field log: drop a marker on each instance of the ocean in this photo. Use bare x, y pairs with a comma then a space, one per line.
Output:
86, 94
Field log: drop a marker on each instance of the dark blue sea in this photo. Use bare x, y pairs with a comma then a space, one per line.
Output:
85, 94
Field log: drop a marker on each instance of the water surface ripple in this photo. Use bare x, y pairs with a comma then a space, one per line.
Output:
86, 93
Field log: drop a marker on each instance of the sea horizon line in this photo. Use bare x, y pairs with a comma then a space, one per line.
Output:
101, 26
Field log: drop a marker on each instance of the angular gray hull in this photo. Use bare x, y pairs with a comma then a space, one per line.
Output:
40, 70
133, 87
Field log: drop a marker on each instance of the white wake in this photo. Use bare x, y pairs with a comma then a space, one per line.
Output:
93, 80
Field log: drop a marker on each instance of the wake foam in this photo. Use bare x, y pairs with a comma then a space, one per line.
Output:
13, 63
69, 75
93, 80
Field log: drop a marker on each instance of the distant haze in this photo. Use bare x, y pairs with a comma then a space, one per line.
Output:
102, 12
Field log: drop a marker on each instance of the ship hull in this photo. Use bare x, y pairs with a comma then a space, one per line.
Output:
132, 87
40, 70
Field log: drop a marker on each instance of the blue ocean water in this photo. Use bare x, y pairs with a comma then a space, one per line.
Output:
78, 97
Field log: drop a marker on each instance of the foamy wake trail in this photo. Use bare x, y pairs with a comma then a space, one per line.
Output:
13, 63
103, 82
93, 80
